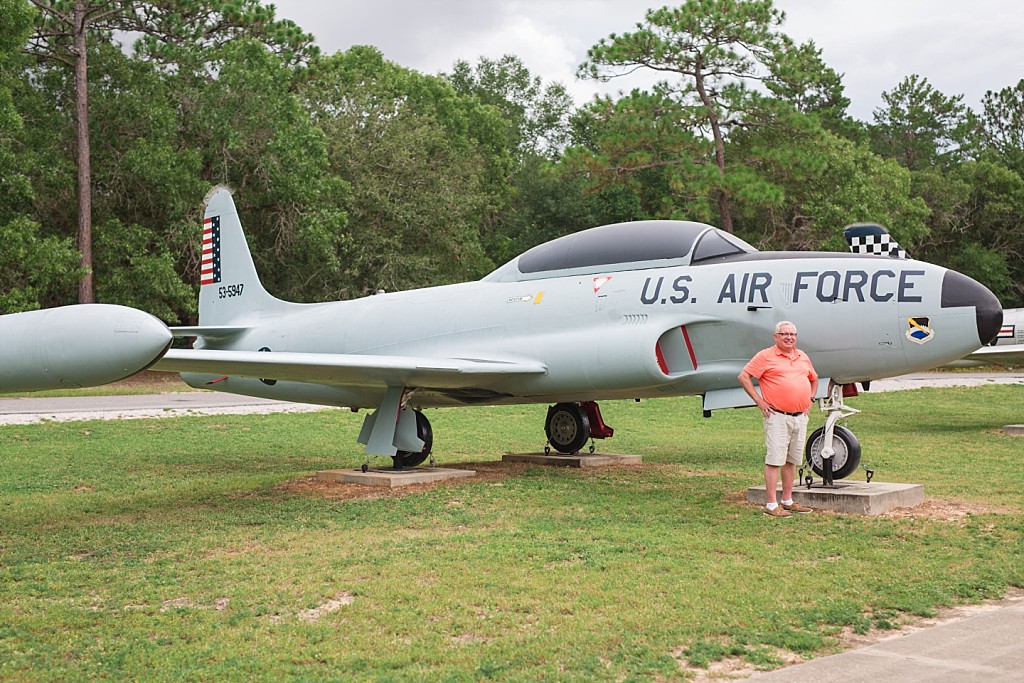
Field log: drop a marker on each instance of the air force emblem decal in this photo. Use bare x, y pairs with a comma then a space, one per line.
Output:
918, 330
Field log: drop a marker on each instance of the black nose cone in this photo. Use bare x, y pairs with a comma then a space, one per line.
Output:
960, 290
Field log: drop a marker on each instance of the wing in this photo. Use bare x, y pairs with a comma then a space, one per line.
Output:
350, 369
1007, 354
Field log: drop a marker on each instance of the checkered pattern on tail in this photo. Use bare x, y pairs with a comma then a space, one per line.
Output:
873, 239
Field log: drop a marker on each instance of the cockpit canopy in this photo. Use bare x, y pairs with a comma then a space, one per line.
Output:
622, 246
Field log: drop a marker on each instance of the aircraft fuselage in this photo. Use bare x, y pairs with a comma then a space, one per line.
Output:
640, 333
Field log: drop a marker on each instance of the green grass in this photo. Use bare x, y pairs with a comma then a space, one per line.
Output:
168, 550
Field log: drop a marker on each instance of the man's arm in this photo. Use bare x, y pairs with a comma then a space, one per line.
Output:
814, 392
747, 383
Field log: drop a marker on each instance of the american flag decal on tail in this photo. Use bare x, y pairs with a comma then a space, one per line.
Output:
209, 268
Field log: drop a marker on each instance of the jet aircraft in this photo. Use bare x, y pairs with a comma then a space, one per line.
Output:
625, 311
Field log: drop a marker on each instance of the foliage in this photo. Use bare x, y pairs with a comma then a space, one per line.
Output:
252, 132
417, 156
716, 49
921, 127
976, 225
1003, 122
851, 185
354, 174
33, 267
537, 116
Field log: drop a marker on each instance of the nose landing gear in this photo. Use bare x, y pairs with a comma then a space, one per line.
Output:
832, 451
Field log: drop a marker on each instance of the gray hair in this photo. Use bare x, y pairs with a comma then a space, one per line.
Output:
782, 323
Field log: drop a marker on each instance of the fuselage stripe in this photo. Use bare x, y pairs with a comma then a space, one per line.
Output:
689, 347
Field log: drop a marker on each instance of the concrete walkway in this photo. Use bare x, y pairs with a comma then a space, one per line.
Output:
986, 645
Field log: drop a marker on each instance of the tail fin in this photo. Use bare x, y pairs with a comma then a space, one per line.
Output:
871, 238
230, 291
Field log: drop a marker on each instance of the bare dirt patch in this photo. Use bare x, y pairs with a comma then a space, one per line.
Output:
949, 510
487, 472
313, 487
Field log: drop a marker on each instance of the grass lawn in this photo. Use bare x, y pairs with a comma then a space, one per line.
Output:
198, 548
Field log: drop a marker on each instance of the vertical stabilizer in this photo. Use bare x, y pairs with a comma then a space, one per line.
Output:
871, 238
230, 291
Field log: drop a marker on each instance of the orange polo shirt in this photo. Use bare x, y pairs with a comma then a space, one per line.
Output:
785, 381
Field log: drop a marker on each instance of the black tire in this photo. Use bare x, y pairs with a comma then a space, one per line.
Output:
408, 458
567, 427
847, 452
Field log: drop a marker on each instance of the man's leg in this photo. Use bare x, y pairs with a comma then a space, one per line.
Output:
771, 481
788, 475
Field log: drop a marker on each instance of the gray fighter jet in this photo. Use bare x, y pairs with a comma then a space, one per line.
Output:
625, 311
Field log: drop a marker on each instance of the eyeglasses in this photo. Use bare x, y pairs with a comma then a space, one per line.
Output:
786, 334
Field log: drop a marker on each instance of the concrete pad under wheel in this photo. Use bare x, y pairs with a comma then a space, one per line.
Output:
575, 460
850, 497
392, 478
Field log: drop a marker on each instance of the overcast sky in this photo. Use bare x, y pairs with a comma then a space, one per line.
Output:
963, 47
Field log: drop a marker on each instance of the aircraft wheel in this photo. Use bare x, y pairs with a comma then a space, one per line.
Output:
423, 431
567, 427
847, 452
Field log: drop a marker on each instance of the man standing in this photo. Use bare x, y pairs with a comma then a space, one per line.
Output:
788, 384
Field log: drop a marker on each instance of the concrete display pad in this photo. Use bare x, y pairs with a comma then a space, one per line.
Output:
1014, 430
392, 478
850, 497
576, 460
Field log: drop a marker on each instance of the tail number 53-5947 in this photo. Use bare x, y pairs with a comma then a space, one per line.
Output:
228, 291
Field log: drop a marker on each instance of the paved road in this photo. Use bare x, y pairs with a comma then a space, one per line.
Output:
70, 408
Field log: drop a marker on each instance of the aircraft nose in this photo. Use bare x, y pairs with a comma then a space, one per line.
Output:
960, 290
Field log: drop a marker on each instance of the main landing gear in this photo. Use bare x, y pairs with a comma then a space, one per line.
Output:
570, 425
832, 451
403, 459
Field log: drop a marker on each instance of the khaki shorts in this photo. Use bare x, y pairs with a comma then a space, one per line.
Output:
784, 436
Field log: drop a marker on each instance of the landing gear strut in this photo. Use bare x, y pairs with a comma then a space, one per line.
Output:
404, 458
832, 451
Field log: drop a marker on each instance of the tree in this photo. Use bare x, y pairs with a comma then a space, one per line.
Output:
714, 49
530, 203
537, 115
33, 267
921, 127
801, 78
1003, 122
65, 28
423, 163
249, 129
976, 225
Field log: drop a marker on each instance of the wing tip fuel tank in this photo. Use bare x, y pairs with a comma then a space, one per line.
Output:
77, 346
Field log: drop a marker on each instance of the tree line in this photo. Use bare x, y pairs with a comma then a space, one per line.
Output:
354, 174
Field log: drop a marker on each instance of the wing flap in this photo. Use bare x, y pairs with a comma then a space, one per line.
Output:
350, 369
